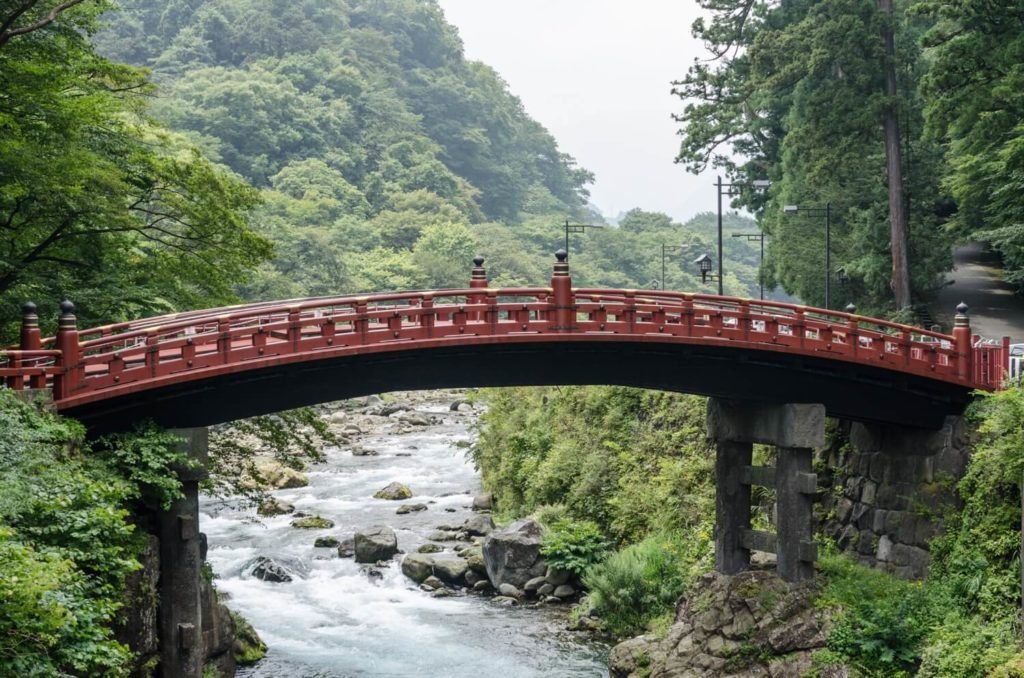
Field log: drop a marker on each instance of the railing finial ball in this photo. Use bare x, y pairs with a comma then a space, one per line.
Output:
478, 261
29, 308
67, 308
851, 308
962, 308
561, 255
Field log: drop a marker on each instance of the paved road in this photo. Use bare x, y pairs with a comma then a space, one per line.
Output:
977, 280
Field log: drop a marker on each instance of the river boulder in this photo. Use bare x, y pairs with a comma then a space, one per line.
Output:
277, 476
274, 507
480, 524
512, 554
267, 569
410, 508
417, 566
483, 502
375, 543
450, 570
394, 492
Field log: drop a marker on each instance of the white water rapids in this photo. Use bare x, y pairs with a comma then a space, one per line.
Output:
335, 620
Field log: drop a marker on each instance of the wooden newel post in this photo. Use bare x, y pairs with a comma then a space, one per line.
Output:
477, 280
562, 296
962, 343
30, 341
70, 353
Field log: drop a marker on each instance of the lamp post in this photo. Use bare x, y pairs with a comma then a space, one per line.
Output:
575, 228
704, 266
813, 211
665, 249
750, 237
731, 190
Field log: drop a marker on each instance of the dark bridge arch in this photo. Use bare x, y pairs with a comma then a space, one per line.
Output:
206, 367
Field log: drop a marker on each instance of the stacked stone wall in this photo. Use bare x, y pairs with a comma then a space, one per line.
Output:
885, 492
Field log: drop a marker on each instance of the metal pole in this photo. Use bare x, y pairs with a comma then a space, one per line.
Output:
663, 266
760, 270
720, 283
567, 240
828, 252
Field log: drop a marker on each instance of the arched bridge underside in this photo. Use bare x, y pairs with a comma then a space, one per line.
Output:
846, 390
205, 367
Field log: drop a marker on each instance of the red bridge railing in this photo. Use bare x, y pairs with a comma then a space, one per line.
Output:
86, 365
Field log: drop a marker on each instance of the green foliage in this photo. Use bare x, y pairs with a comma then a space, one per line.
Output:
763, 107
882, 621
148, 458
631, 461
643, 581
573, 546
66, 547
96, 201
967, 648
974, 105
979, 555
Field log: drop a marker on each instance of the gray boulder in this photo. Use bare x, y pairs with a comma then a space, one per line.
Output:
347, 548
565, 591
417, 566
274, 507
268, 570
510, 591
375, 543
394, 492
450, 570
534, 584
512, 554
480, 524
410, 508
484, 502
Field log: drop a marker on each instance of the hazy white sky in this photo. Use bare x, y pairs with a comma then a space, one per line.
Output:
597, 74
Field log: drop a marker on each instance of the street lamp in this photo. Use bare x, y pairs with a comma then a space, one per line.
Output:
817, 211
731, 190
665, 249
575, 228
704, 265
750, 237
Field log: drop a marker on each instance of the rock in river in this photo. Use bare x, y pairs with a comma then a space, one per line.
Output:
410, 508
450, 570
480, 524
312, 523
394, 491
274, 507
375, 543
417, 566
268, 570
512, 554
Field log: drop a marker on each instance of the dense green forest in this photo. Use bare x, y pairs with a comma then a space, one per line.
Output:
904, 115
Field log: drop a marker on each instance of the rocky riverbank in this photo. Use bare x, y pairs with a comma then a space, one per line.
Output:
749, 624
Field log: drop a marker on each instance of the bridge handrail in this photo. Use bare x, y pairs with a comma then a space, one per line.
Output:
78, 362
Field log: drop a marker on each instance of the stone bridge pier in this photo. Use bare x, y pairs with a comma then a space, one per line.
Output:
795, 430
180, 616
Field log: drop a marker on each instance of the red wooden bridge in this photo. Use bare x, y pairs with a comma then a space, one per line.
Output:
204, 367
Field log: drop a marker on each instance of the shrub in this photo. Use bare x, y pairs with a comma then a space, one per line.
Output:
882, 621
574, 546
636, 585
967, 648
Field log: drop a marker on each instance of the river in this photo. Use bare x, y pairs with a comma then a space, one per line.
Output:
337, 620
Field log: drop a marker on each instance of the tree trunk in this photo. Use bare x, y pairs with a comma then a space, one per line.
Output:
894, 167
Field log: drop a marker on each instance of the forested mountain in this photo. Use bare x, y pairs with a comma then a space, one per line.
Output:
902, 115
385, 159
